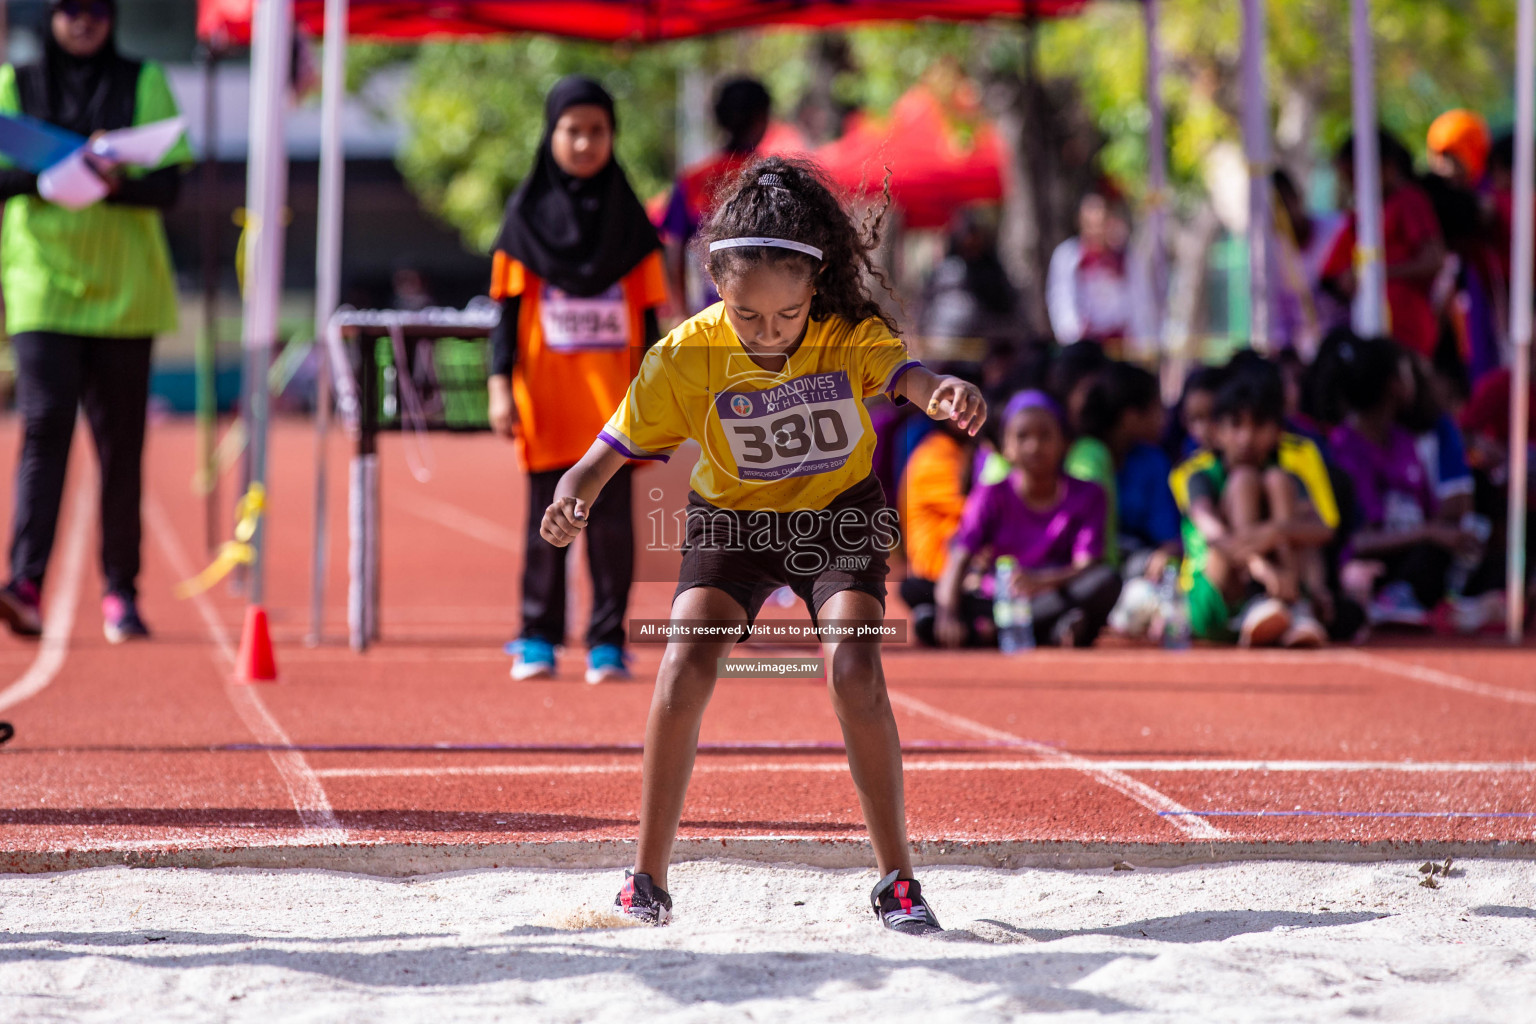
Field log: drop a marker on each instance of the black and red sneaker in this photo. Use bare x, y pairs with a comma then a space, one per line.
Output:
642, 900
899, 904
21, 608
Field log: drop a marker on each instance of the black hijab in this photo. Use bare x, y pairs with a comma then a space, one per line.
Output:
582, 235
82, 94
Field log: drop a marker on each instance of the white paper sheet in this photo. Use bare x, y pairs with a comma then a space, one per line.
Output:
71, 183
144, 145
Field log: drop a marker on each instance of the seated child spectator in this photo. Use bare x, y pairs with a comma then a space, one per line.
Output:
1400, 545
1475, 582
931, 502
1052, 524
1485, 420
1293, 373
1252, 536
1121, 420
1442, 451
1071, 374
1196, 411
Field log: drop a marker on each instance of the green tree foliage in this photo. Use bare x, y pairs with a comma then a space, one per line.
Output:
474, 114
474, 109
1431, 55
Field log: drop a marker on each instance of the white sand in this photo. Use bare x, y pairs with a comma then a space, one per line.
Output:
1239, 942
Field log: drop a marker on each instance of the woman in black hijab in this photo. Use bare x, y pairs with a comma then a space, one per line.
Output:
579, 276
86, 290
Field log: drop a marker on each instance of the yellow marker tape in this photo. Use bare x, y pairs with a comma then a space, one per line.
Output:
246, 225
235, 552
1366, 255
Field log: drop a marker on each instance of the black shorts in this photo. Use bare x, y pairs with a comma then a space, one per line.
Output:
751, 553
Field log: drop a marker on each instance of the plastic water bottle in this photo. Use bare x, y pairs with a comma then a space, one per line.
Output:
1014, 616
1173, 605
1466, 563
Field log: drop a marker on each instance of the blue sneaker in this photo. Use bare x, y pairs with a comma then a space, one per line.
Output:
533, 659
1396, 606
606, 662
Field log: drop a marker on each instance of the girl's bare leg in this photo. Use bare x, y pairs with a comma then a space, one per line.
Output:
683, 688
857, 684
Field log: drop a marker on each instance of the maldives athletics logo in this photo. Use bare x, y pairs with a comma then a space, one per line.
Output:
741, 405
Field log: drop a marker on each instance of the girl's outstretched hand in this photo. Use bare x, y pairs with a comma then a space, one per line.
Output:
563, 521
960, 401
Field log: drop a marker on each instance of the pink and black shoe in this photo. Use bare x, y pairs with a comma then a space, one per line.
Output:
120, 620
899, 904
642, 900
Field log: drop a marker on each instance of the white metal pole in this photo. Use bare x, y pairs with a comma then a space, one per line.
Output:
333, 86
1257, 146
1370, 307
1520, 310
266, 196
1157, 173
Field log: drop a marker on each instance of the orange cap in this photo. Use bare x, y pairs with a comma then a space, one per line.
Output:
1462, 134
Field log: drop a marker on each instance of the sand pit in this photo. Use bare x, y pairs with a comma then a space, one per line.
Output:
1238, 942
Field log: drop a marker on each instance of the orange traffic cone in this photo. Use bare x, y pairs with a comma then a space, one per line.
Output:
255, 663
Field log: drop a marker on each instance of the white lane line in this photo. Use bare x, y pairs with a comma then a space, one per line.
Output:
1120, 782
460, 520
1436, 677
59, 621
309, 799
839, 767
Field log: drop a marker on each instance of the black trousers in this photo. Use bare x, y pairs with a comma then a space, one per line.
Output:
1094, 593
56, 374
610, 537
1423, 567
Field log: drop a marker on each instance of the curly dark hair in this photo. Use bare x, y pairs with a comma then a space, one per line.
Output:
803, 206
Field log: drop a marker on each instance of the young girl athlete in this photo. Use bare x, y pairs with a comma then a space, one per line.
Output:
771, 383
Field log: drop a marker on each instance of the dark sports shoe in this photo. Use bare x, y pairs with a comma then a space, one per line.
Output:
21, 608
120, 620
643, 901
899, 904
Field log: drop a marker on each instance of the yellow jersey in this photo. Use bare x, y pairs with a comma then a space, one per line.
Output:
1297, 455
786, 440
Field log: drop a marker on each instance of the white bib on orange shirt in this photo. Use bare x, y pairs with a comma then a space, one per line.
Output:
574, 324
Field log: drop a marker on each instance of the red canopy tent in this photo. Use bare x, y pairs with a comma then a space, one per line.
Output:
934, 168
610, 20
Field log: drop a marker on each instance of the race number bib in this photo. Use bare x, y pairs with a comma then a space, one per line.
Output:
806, 425
573, 325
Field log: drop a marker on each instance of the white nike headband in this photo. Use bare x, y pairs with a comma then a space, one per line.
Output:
771, 243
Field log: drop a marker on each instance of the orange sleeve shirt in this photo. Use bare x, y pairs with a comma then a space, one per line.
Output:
575, 356
932, 502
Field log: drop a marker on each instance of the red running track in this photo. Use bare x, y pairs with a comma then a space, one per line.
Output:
148, 753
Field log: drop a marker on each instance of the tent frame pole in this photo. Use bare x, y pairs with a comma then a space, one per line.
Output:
327, 284
1521, 261
1256, 143
207, 352
1370, 306
266, 199
1157, 175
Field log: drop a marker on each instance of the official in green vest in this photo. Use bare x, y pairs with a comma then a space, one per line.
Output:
86, 291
